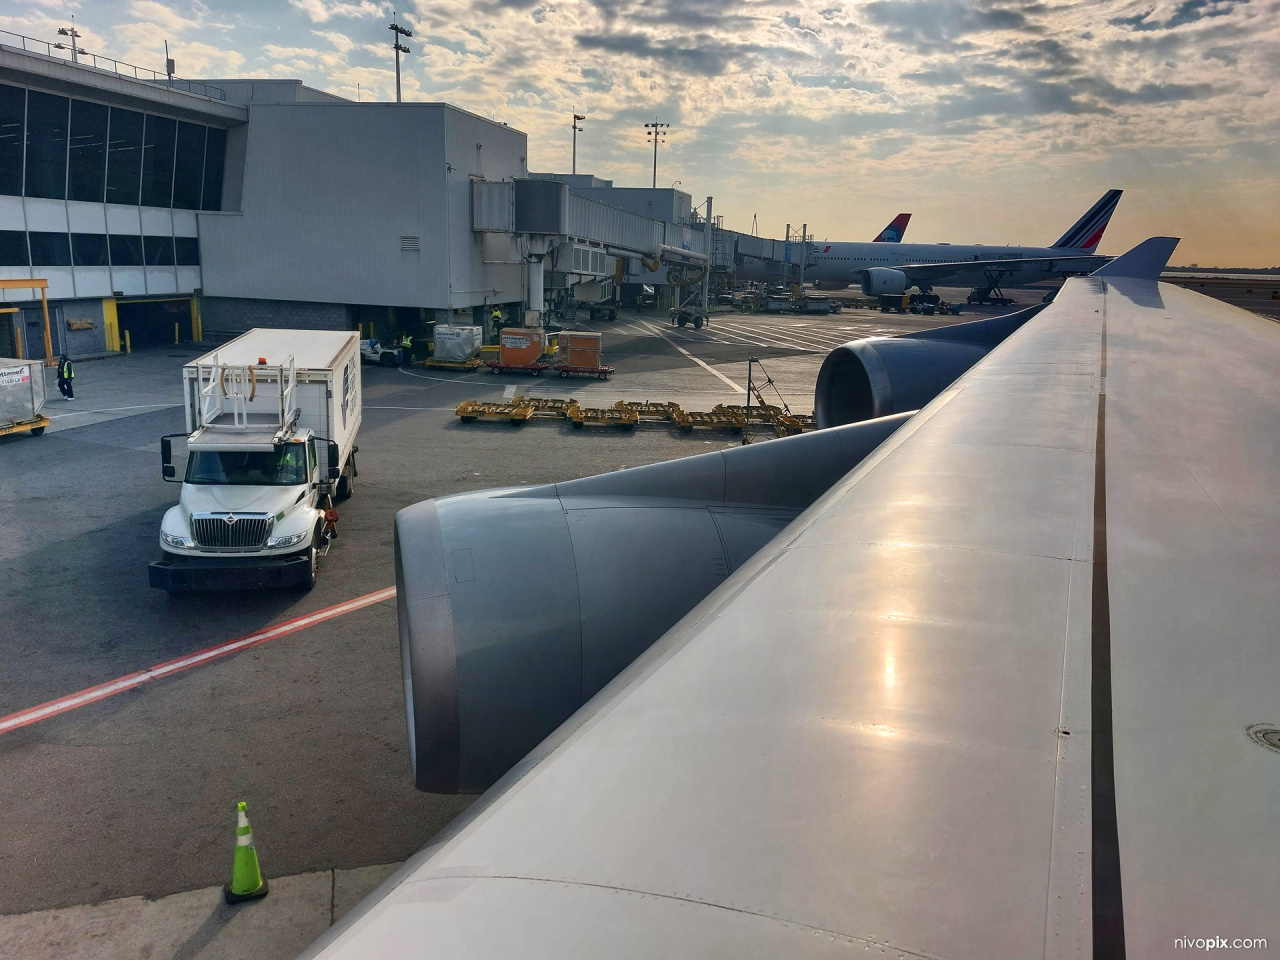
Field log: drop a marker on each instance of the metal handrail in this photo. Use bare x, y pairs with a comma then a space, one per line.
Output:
109, 65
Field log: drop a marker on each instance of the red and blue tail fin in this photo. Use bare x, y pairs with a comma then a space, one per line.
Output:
1086, 233
893, 233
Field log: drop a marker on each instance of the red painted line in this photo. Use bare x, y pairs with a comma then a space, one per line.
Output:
130, 681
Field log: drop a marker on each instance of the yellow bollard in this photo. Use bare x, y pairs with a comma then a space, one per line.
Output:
128, 344
175, 333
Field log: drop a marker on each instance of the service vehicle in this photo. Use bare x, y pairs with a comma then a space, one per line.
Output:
271, 423
374, 351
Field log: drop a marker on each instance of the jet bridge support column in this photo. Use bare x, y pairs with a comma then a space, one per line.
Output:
706, 275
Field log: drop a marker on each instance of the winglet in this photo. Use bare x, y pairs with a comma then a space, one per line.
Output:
1143, 262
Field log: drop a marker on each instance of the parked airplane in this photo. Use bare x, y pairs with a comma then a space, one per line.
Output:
880, 270
895, 231
1004, 689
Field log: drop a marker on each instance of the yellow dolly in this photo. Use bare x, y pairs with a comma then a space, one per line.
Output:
36, 426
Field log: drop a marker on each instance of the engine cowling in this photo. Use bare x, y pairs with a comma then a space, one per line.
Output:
881, 376
883, 281
517, 606
830, 285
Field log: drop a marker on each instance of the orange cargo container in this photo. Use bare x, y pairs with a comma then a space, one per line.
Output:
579, 349
519, 347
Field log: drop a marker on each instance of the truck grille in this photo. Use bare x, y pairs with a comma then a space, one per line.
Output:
231, 530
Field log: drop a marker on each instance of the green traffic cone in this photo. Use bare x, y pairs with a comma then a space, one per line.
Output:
247, 882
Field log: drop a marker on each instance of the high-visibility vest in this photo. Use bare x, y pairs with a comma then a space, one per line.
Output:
65, 370
406, 341
497, 314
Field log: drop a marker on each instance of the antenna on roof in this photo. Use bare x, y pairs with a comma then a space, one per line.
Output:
168, 64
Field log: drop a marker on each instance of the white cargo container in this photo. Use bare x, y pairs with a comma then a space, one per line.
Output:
271, 424
457, 344
21, 396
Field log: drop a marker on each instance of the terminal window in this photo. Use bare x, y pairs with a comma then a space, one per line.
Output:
126, 251
124, 156
89, 249
46, 145
158, 251
13, 248
157, 161
50, 249
60, 148
13, 112
87, 176
187, 251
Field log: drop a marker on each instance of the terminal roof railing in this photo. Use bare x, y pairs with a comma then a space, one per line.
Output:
91, 61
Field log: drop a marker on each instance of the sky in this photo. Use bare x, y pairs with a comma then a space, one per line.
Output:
992, 121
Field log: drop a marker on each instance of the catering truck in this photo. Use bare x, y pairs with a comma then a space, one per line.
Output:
271, 422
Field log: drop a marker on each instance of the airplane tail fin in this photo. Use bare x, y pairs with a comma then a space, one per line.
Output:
1086, 233
894, 232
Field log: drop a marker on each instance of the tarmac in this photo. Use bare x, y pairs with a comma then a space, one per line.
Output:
120, 813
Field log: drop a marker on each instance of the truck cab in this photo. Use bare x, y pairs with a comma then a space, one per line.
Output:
256, 504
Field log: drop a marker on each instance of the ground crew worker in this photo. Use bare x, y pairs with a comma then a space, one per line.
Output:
66, 373
406, 348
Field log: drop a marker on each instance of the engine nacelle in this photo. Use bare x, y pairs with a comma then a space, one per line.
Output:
516, 606
830, 285
881, 376
883, 281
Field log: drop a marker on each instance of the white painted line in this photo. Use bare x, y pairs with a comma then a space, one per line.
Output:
138, 406
128, 682
509, 392
705, 366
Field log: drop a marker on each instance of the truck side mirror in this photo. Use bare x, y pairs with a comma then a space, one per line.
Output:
167, 469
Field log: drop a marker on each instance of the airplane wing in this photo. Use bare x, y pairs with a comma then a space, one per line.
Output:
1004, 269
1007, 690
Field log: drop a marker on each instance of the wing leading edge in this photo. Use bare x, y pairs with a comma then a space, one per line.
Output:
879, 732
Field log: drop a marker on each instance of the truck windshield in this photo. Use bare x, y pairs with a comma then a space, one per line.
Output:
286, 465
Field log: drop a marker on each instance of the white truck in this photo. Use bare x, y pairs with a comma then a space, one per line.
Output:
271, 423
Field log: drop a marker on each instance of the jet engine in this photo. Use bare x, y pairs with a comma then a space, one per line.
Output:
516, 606
877, 281
830, 285
880, 376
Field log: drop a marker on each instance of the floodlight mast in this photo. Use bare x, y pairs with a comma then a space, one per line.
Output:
576, 130
657, 134
397, 32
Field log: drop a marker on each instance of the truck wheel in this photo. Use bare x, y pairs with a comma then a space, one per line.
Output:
387, 359
36, 431
697, 323
346, 484
312, 558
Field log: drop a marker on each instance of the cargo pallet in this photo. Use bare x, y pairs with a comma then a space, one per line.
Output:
36, 426
533, 369
565, 370
464, 365
626, 414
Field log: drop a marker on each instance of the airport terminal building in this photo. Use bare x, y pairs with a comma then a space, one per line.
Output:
158, 210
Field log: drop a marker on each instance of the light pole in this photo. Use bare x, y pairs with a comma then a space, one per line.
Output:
576, 130
657, 134
75, 50
397, 32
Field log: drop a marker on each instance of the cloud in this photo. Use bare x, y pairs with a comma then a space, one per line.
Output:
322, 11
1188, 11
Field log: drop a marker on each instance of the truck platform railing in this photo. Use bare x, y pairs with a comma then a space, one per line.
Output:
239, 396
